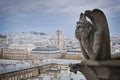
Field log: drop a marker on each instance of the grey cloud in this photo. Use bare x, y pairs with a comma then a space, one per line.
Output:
17, 6
73, 7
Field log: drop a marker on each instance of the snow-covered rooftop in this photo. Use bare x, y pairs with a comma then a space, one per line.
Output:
3, 61
13, 65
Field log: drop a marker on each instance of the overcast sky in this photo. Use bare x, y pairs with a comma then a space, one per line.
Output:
50, 15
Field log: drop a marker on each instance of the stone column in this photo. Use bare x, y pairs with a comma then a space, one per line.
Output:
23, 74
5, 77
37, 71
26, 74
19, 75
33, 72
1, 78
16, 76
30, 73
10, 76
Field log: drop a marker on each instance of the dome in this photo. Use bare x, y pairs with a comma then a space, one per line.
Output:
48, 48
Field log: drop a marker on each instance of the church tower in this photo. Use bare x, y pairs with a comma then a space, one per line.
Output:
59, 39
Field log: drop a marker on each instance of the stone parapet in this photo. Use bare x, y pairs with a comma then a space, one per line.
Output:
98, 70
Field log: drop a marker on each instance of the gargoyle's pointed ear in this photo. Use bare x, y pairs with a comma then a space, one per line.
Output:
84, 17
81, 15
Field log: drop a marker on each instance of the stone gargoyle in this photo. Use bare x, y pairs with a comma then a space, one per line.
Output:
93, 35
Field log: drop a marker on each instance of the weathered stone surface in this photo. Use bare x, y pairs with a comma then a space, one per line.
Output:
94, 40
98, 70
94, 35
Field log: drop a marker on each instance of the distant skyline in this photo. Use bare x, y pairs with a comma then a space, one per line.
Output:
49, 15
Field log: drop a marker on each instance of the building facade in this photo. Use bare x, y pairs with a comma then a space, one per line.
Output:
15, 54
74, 54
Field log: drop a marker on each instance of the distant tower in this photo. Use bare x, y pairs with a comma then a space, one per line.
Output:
59, 39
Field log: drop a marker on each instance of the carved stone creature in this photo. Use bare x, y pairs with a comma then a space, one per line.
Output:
94, 35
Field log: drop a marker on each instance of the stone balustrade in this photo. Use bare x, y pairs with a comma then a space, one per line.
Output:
20, 74
98, 70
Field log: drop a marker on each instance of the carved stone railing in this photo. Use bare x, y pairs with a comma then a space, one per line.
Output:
98, 70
